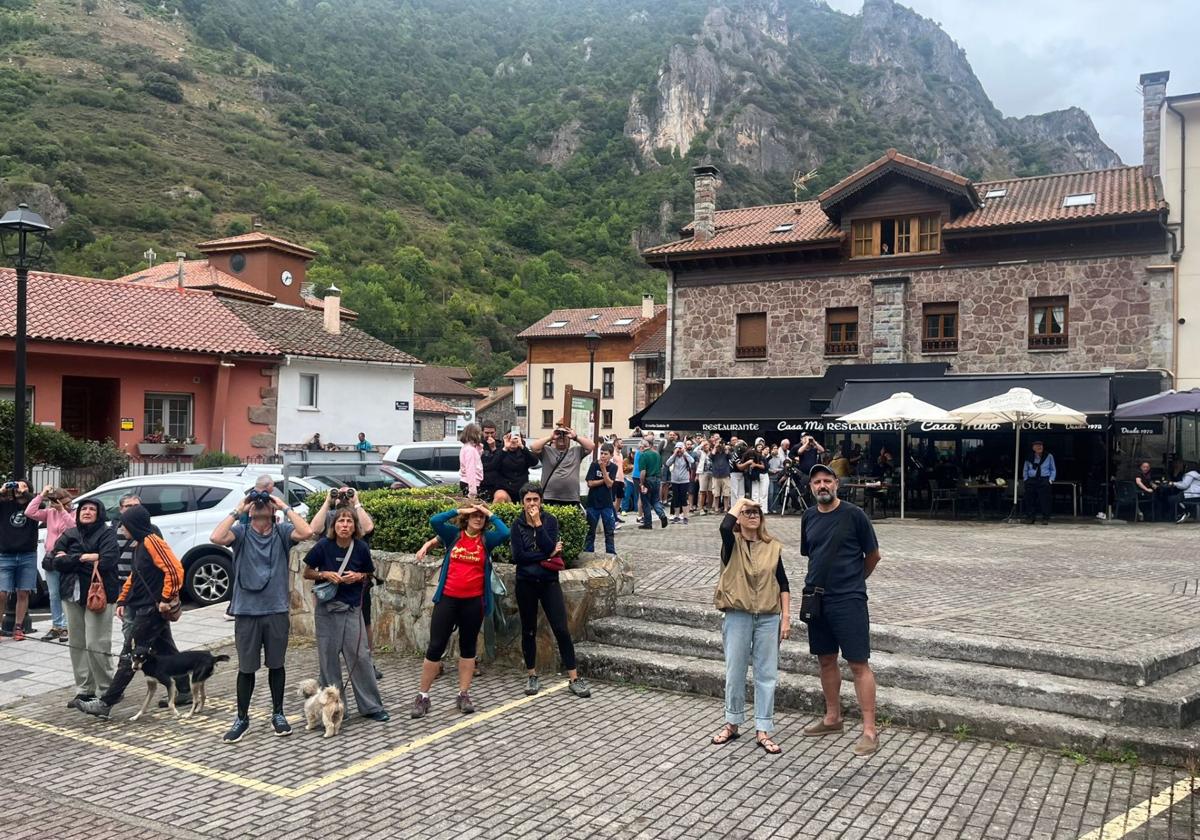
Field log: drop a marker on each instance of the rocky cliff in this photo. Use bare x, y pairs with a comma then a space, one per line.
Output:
767, 83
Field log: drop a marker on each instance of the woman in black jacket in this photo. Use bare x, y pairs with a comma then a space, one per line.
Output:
87, 550
510, 468
537, 554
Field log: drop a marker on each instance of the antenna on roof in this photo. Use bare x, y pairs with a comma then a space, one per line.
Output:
800, 182
180, 255
149, 256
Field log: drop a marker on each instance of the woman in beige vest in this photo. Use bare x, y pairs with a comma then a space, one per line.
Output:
753, 593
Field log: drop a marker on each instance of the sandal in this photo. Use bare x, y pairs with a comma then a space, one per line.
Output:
769, 746
728, 733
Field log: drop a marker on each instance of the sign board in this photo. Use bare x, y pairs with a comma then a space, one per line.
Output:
581, 411
402, 405
126, 424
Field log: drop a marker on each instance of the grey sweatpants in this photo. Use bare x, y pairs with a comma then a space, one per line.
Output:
343, 634
90, 641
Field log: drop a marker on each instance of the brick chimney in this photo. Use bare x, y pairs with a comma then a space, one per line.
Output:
333, 311
647, 306
704, 224
1154, 91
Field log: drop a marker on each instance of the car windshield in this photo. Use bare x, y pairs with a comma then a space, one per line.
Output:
409, 475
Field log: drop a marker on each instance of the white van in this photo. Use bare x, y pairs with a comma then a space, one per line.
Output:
437, 459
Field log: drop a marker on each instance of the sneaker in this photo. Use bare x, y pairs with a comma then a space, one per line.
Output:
382, 716
419, 707
580, 688
662, 517
464, 704
621, 519
685, 520
645, 527
237, 731
74, 702
1184, 517
617, 526
675, 520
181, 700
55, 634
94, 707
280, 725
533, 685
378, 674
705, 512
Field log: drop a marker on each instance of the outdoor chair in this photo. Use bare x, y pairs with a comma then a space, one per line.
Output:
940, 495
1128, 499
1192, 506
971, 500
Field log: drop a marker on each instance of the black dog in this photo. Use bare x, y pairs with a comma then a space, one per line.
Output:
198, 665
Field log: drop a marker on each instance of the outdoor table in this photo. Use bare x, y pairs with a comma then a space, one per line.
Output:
993, 498
872, 492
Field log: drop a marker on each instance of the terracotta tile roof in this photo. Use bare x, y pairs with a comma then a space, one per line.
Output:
197, 274
1122, 191
503, 393
255, 239
893, 156
88, 311
520, 371
579, 321
299, 332
653, 344
427, 405
434, 381
759, 227
458, 374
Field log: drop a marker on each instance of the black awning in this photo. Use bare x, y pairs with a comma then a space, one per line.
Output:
1090, 393
765, 406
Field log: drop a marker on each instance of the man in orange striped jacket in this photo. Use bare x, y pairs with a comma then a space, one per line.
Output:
149, 591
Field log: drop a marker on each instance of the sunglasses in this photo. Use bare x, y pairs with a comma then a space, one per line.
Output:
752, 513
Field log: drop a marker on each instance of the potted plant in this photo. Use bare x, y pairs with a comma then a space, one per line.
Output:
155, 443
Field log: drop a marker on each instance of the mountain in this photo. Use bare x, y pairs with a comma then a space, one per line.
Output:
462, 168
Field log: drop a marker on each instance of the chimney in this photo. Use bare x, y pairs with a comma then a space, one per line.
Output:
647, 306
1154, 91
180, 255
333, 311
704, 224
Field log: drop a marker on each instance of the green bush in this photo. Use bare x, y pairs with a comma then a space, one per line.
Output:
209, 459
54, 447
402, 519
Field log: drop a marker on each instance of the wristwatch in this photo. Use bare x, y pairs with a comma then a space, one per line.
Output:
234, 513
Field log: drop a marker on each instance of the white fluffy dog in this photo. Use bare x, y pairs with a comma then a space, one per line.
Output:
322, 706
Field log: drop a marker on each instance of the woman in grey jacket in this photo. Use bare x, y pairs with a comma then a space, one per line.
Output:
680, 464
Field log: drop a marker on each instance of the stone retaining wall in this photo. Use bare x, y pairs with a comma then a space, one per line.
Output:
402, 606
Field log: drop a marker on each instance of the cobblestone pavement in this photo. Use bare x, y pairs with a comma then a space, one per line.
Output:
1099, 587
627, 763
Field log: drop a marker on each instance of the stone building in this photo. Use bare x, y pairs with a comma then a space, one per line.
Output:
448, 387
434, 420
497, 407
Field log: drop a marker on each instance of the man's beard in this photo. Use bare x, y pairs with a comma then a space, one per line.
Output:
825, 497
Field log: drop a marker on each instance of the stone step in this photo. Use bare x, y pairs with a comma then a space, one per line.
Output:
1173, 702
917, 709
1137, 666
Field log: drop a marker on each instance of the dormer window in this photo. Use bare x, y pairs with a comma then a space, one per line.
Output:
997, 193
898, 235
1079, 200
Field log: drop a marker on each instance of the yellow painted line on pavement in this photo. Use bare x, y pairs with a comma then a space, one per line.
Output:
1143, 812
258, 785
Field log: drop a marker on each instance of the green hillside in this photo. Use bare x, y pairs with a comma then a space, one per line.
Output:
399, 139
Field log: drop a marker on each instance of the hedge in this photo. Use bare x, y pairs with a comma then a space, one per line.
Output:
402, 519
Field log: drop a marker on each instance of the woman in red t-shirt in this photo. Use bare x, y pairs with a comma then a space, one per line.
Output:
463, 595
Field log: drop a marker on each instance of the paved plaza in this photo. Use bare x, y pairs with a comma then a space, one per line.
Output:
632, 762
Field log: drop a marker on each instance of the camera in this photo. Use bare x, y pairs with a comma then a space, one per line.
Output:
341, 497
11, 485
258, 498
560, 432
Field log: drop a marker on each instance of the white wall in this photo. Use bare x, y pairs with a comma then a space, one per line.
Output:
351, 398
1188, 349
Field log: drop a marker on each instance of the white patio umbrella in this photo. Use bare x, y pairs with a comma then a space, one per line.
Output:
902, 408
1017, 406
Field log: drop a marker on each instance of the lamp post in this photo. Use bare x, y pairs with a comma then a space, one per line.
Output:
591, 340
24, 223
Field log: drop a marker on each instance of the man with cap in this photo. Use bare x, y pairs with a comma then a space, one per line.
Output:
1039, 473
842, 551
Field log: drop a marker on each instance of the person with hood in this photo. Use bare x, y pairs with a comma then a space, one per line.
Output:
150, 592
58, 518
80, 555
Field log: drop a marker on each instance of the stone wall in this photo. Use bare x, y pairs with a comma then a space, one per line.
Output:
402, 606
1119, 316
266, 412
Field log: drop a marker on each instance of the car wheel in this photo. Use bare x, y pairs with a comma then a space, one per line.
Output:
208, 579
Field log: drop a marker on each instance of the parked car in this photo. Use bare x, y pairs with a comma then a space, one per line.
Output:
186, 507
436, 460
378, 477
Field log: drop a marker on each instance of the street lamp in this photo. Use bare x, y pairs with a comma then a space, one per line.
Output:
591, 340
24, 223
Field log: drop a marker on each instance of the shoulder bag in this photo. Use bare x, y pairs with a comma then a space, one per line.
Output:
325, 590
97, 600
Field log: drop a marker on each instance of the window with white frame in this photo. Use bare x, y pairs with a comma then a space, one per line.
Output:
309, 386
451, 428
169, 413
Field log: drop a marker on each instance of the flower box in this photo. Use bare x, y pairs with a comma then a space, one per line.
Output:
152, 448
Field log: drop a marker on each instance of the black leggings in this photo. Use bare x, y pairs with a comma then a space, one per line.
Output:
549, 593
464, 613
679, 495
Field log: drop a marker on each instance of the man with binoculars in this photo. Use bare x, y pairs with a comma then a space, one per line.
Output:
260, 596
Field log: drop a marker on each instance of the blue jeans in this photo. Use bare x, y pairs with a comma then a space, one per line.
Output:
772, 492
609, 517
630, 500
750, 638
651, 503
57, 617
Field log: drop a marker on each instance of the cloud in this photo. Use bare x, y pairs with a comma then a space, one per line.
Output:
1033, 56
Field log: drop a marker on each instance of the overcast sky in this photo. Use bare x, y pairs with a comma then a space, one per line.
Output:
1034, 56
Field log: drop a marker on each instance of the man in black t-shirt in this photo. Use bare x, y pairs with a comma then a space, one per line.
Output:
18, 552
842, 551
601, 476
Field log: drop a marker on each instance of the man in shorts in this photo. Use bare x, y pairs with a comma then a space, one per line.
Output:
260, 598
842, 551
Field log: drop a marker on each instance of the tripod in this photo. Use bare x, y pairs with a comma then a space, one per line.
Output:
788, 491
